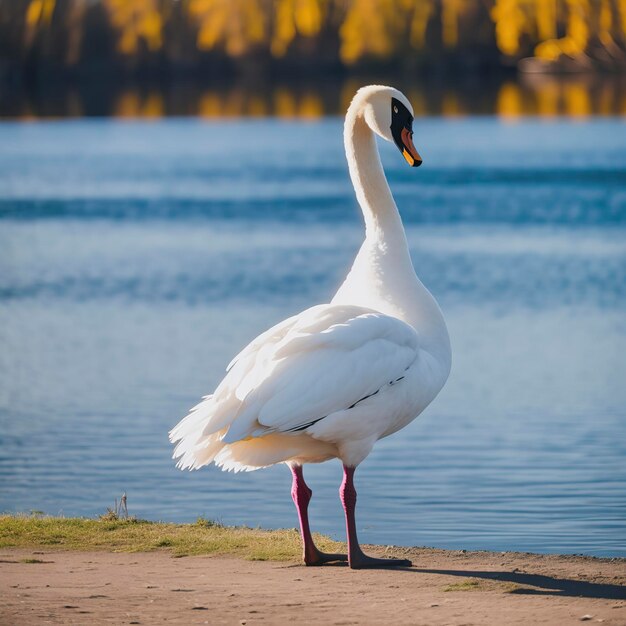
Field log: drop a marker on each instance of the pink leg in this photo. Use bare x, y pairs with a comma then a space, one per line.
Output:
301, 495
356, 557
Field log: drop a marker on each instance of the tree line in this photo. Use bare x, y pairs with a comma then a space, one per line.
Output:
222, 36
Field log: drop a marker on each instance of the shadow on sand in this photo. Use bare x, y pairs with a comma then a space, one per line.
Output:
548, 584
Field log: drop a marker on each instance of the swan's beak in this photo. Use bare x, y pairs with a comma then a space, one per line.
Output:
409, 152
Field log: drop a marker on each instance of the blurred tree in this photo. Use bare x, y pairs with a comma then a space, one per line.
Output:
293, 18
235, 25
510, 21
371, 29
138, 22
315, 33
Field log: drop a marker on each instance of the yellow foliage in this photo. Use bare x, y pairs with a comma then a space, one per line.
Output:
605, 22
549, 50
450, 10
545, 11
38, 15
33, 13
510, 23
308, 16
381, 29
39, 11
136, 20
419, 21
577, 28
577, 36
236, 24
292, 17
284, 27
370, 28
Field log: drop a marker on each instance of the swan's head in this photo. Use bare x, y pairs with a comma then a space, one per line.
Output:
389, 114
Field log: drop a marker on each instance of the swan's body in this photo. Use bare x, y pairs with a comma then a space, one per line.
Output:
331, 381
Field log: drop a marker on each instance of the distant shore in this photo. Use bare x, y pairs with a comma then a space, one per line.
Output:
57, 570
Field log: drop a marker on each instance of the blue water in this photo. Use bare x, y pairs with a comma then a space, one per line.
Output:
137, 257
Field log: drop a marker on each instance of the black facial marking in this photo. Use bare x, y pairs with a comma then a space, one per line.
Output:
400, 118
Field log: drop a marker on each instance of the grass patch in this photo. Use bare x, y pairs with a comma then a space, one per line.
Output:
476, 584
466, 585
133, 535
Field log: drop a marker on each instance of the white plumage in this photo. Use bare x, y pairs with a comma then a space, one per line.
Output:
332, 380
314, 375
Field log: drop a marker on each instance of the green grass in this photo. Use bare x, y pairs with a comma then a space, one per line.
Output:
131, 535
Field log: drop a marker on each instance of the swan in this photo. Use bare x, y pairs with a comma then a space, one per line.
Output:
333, 380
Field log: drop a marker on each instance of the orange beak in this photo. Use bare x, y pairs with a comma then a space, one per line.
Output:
408, 149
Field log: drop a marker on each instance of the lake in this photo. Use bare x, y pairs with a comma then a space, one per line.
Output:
137, 257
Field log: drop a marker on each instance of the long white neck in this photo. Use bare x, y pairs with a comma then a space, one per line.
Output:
382, 220
382, 276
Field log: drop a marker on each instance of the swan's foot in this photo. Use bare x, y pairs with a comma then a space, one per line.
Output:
362, 561
321, 558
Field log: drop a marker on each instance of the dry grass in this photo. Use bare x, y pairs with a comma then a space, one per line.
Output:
132, 535
467, 585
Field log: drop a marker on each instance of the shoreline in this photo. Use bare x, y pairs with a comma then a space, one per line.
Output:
112, 571
112, 533
58, 586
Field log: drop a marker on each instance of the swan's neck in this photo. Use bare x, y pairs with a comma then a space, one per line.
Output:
382, 220
382, 276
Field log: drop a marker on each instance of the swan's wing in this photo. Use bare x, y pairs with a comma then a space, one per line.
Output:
271, 336
330, 358
324, 360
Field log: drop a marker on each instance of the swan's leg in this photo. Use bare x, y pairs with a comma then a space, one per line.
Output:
301, 495
356, 557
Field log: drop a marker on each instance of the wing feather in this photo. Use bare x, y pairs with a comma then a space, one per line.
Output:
322, 361
328, 360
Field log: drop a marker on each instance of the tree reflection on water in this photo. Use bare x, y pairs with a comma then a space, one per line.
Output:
537, 95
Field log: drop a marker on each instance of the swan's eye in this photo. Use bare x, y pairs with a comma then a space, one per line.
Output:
395, 109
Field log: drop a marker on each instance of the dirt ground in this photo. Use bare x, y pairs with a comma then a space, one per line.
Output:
441, 588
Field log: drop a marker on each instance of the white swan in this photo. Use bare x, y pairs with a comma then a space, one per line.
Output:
334, 379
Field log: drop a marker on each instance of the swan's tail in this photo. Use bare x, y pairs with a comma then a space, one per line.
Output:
193, 448
197, 443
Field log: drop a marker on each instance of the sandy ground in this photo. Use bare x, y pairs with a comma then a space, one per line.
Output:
441, 588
